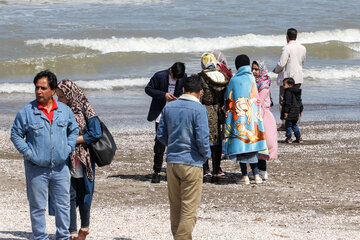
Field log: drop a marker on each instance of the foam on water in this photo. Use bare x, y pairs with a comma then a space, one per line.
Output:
88, 85
122, 2
328, 73
198, 44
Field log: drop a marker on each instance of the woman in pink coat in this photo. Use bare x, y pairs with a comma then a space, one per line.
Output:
263, 84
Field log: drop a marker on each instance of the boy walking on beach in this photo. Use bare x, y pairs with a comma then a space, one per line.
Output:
292, 110
183, 128
165, 86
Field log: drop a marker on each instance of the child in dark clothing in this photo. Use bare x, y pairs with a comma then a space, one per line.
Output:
292, 109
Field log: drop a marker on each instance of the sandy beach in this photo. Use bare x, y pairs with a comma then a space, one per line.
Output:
313, 192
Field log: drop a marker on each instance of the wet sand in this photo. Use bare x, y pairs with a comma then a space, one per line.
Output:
313, 192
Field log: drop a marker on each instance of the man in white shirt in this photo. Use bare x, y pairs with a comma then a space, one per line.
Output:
290, 65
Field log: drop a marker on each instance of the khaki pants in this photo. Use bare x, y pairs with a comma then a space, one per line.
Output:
184, 188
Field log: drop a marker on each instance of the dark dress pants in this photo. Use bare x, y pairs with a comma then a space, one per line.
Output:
159, 150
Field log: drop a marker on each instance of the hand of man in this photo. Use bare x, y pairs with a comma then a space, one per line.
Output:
169, 97
285, 115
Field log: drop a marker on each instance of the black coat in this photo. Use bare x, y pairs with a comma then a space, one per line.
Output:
292, 104
157, 88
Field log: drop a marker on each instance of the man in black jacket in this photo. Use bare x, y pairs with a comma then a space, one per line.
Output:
292, 109
165, 86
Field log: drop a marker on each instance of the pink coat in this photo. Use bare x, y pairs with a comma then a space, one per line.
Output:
269, 123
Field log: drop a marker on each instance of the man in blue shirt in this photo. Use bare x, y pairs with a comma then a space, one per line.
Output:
165, 86
50, 133
183, 128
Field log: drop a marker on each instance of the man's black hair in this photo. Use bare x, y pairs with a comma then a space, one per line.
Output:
292, 33
51, 78
178, 70
290, 81
193, 84
241, 60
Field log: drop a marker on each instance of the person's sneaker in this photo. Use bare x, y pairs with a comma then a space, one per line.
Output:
298, 140
251, 176
207, 174
288, 140
258, 179
220, 173
155, 178
263, 175
244, 180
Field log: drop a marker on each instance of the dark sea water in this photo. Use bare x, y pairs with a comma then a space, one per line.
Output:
112, 48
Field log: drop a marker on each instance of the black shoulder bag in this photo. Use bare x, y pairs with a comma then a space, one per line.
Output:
102, 150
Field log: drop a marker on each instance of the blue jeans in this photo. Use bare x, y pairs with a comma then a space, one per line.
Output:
290, 126
38, 181
253, 166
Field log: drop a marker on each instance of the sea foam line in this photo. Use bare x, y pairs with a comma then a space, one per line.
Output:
197, 44
86, 85
319, 74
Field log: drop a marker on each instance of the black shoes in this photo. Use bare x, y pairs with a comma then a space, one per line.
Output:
155, 178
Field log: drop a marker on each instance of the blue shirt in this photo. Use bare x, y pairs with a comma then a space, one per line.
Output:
184, 129
42, 143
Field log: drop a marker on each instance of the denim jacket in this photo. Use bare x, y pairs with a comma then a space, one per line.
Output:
183, 128
45, 144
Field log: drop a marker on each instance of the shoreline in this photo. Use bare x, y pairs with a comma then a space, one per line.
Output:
310, 193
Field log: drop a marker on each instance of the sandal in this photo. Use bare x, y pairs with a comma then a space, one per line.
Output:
82, 234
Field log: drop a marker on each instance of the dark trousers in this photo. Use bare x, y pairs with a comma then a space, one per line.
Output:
253, 166
262, 165
77, 194
215, 158
159, 150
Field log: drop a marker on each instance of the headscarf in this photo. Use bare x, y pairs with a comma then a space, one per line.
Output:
220, 57
208, 61
222, 63
79, 105
264, 80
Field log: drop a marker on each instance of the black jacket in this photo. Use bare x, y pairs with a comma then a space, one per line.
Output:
292, 104
157, 88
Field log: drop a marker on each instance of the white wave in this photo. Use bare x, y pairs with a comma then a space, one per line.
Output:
355, 47
86, 85
41, 63
119, 2
197, 44
332, 73
112, 84
328, 73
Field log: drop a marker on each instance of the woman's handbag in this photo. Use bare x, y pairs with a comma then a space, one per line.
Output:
103, 150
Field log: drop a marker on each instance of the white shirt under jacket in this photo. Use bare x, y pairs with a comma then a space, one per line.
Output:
291, 63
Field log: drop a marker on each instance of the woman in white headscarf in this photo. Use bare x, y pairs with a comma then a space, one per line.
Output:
214, 86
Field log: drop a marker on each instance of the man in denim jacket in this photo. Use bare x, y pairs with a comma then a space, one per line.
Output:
50, 133
183, 128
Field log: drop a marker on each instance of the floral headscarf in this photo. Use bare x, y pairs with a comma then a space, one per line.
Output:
208, 61
264, 80
79, 105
